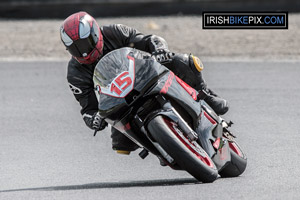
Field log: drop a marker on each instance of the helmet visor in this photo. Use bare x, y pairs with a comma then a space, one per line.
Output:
83, 47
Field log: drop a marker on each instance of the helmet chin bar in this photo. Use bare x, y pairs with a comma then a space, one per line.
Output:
100, 55
86, 60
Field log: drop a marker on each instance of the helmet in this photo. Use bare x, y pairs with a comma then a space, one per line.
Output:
82, 37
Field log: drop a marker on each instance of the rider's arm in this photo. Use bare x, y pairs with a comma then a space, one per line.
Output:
81, 85
119, 35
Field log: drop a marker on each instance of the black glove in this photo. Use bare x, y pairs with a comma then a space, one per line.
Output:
163, 56
95, 121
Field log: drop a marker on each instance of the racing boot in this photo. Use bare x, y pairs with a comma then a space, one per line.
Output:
218, 104
122, 144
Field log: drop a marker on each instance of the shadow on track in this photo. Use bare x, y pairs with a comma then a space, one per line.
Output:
123, 184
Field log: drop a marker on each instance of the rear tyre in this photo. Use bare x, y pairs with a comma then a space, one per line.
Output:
238, 162
187, 154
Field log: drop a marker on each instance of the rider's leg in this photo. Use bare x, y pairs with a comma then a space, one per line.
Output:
121, 143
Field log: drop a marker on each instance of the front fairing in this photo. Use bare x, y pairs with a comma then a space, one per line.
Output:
121, 77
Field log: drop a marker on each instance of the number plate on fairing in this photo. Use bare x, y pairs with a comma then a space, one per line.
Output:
123, 83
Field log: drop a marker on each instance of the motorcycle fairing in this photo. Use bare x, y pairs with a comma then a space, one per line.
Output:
211, 131
143, 72
188, 88
123, 83
170, 88
147, 73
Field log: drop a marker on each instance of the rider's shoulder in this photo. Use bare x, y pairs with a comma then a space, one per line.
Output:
73, 63
74, 69
116, 28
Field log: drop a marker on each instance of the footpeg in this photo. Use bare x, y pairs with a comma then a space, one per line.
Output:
144, 153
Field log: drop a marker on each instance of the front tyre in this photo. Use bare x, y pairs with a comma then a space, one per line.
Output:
187, 154
238, 162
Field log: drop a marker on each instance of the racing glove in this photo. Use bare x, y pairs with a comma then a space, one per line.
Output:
163, 56
95, 121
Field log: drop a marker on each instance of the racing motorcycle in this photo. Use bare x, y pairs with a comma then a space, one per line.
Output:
163, 115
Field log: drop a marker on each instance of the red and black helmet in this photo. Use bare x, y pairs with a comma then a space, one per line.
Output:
82, 37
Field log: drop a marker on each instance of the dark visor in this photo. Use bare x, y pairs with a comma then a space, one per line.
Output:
83, 47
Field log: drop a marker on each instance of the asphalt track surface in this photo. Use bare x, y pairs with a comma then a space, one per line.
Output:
46, 151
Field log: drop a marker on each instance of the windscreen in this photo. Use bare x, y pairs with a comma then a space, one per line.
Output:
114, 74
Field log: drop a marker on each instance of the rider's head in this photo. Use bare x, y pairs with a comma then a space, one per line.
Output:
82, 37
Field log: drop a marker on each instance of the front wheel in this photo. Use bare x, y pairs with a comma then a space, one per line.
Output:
187, 154
238, 162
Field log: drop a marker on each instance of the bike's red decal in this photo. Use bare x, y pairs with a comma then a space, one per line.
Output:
188, 88
223, 153
216, 144
168, 83
235, 149
115, 89
131, 58
127, 127
123, 83
123, 128
209, 118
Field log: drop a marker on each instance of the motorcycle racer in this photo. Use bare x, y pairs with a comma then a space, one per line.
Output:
87, 43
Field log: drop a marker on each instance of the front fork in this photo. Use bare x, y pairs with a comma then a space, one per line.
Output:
210, 130
169, 111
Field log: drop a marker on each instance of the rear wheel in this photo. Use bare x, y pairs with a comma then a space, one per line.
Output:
238, 162
187, 154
